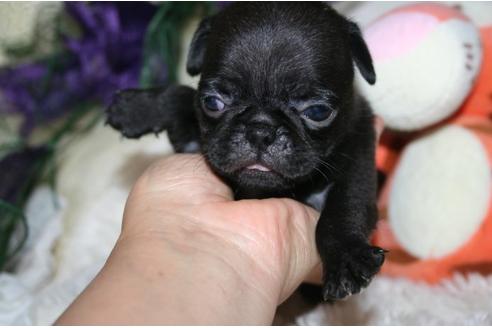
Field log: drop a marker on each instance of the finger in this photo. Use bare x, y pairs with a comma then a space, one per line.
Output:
184, 178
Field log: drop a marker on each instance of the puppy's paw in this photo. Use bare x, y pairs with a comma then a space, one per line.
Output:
131, 113
350, 270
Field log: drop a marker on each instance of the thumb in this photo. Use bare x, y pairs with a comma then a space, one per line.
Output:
303, 256
283, 231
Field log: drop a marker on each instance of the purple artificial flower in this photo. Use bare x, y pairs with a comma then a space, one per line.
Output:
110, 51
105, 58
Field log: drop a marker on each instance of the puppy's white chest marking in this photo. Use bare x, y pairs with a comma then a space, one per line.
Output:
317, 199
191, 147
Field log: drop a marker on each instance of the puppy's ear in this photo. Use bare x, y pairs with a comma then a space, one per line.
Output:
360, 54
196, 54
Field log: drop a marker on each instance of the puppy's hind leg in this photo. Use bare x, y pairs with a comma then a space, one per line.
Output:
137, 112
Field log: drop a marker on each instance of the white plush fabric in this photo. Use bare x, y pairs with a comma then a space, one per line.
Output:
95, 178
441, 192
400, 302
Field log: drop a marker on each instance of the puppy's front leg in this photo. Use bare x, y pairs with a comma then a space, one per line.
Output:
136, 112
349, 216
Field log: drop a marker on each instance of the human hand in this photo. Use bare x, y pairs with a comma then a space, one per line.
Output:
189, 254
269, 243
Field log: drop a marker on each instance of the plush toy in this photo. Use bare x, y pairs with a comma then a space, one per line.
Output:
426, 57
436, 217
434, 91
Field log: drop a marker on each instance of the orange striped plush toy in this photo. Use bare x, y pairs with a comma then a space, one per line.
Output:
434, 91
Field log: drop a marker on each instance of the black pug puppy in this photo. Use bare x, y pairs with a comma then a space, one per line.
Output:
276, 115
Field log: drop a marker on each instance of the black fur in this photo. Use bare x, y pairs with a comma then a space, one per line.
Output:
267, 62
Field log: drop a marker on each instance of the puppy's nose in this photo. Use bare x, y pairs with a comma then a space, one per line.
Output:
261, 135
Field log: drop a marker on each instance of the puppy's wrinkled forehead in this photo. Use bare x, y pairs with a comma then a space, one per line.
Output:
270, 49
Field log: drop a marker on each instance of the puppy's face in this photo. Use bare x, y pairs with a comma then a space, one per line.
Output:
275, 93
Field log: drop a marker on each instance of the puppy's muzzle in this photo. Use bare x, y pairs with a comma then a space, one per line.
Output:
261, 135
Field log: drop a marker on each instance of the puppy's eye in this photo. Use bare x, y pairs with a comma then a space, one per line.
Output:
213, 104
319, 114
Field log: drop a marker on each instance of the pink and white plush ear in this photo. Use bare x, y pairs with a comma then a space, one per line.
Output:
440, 192
426, 57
